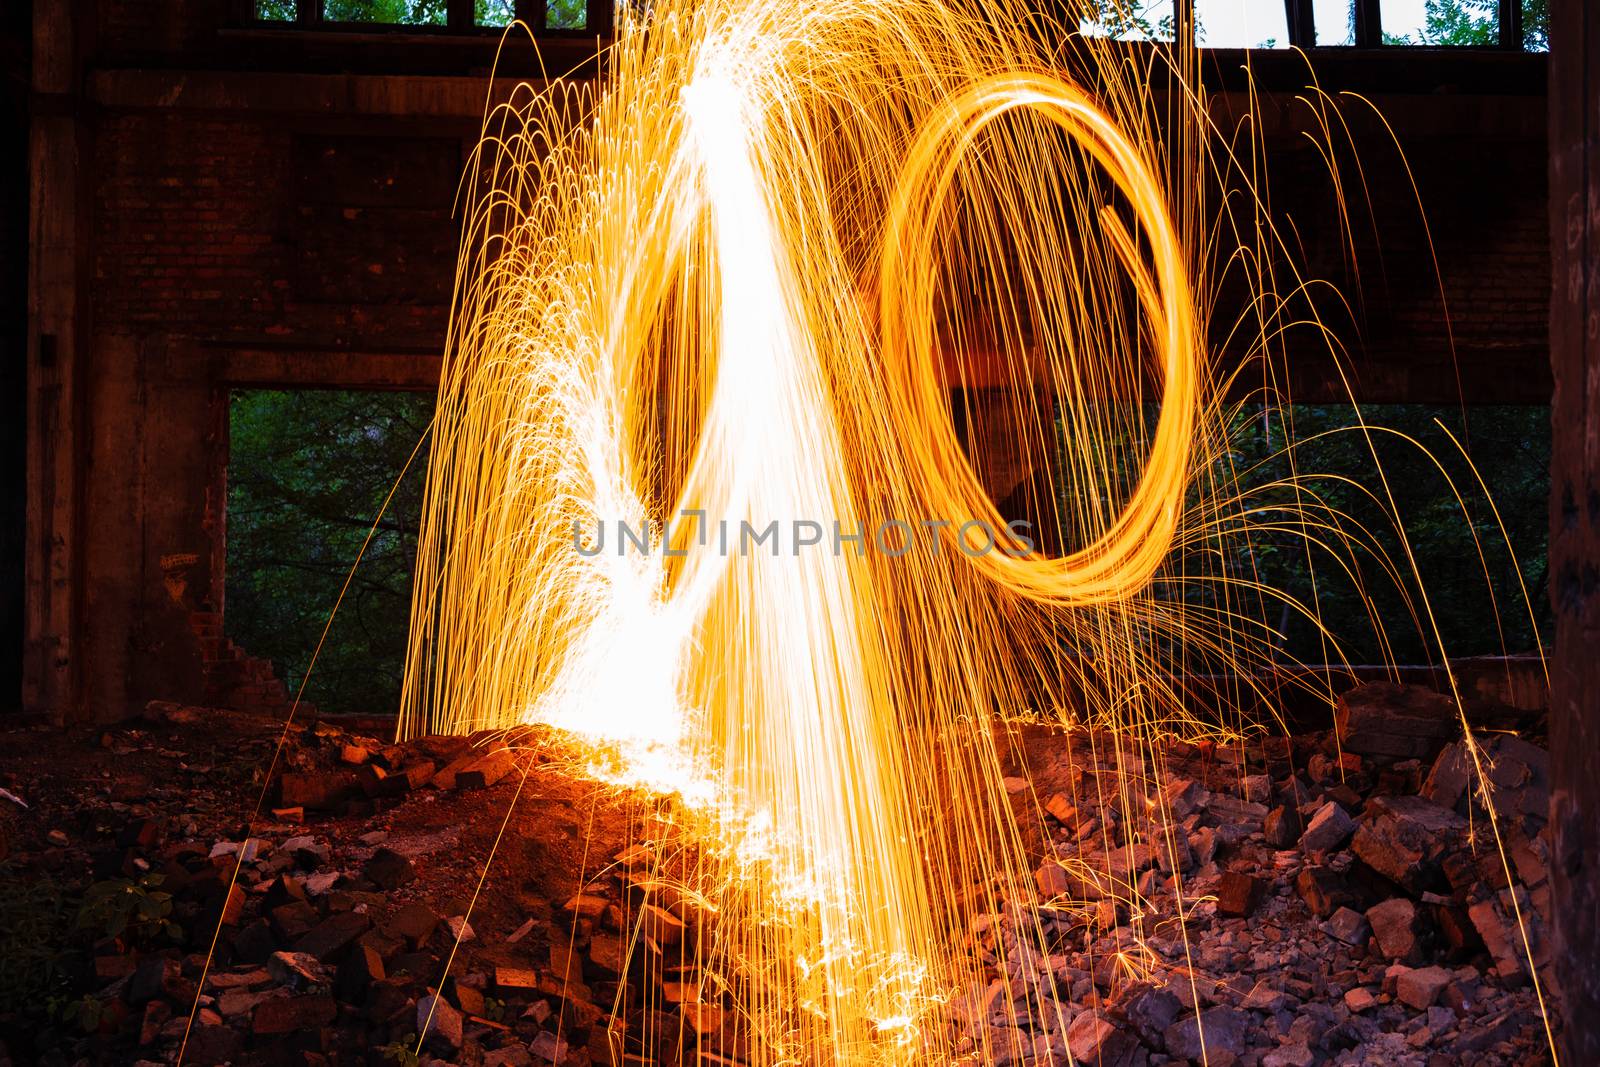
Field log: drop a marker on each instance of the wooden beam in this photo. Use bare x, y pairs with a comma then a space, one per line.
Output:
59, 212
1510, 12
1302, 22
1574, 559
1369, 23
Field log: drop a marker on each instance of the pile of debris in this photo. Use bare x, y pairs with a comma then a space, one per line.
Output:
1342, 898
1337, 898
349, 921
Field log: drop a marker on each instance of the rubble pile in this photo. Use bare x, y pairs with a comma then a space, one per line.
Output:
1335, 898
1343, 900
349, 922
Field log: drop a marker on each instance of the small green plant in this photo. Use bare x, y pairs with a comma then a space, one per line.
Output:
86, 1011
134, 911
36, 960
403, 1051
494, 1010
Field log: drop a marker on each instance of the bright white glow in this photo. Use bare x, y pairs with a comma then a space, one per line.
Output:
1241, 23
1404, 18
1333, 21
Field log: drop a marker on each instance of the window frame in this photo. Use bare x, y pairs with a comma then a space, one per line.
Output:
458, 20
1300, 20
1369, 26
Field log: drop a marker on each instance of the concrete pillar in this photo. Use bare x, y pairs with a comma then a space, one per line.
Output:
1575, 515
57, 314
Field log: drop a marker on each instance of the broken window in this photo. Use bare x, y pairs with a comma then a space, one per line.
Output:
1130, 20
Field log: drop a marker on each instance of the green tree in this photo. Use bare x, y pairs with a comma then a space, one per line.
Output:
394, 12
307, 476
1354, 474
1536, 25
566, 14
493, 12
1449, 23
1460, 22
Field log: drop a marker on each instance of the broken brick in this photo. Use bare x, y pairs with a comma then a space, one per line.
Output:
487, 770
1406, 838
1401, 721
1237, 894
317, 791
388, 869
327, 938
285, 1015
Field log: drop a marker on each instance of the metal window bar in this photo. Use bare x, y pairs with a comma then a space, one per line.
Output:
1302, 23
599, 14
1511, 25
1369, 24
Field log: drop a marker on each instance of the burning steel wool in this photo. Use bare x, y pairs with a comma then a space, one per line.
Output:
698, 500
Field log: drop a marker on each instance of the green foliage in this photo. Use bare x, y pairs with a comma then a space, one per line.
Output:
493, 12
392, 12
566, 14
1452, 23
275, 10
402, 1052
1297, 501
1536, 25
1135, 20
1353, 474
134, 910
85, 1012
308, 473
35, 955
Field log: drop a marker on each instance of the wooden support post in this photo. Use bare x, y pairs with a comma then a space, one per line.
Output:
1369, 24
1301, 20
1510, 12
532, 12
1575, 517
59, 211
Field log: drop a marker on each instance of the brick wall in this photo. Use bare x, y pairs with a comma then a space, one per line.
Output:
242, 231
1470, 238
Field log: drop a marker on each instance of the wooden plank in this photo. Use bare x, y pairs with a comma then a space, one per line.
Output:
58, 216
1574, 557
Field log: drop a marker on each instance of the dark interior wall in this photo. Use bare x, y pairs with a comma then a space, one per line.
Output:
217, 234
257, 227
1440, 203
225, 207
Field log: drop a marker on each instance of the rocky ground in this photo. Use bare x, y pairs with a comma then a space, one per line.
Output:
1342, 901
349, 920
1343, 897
